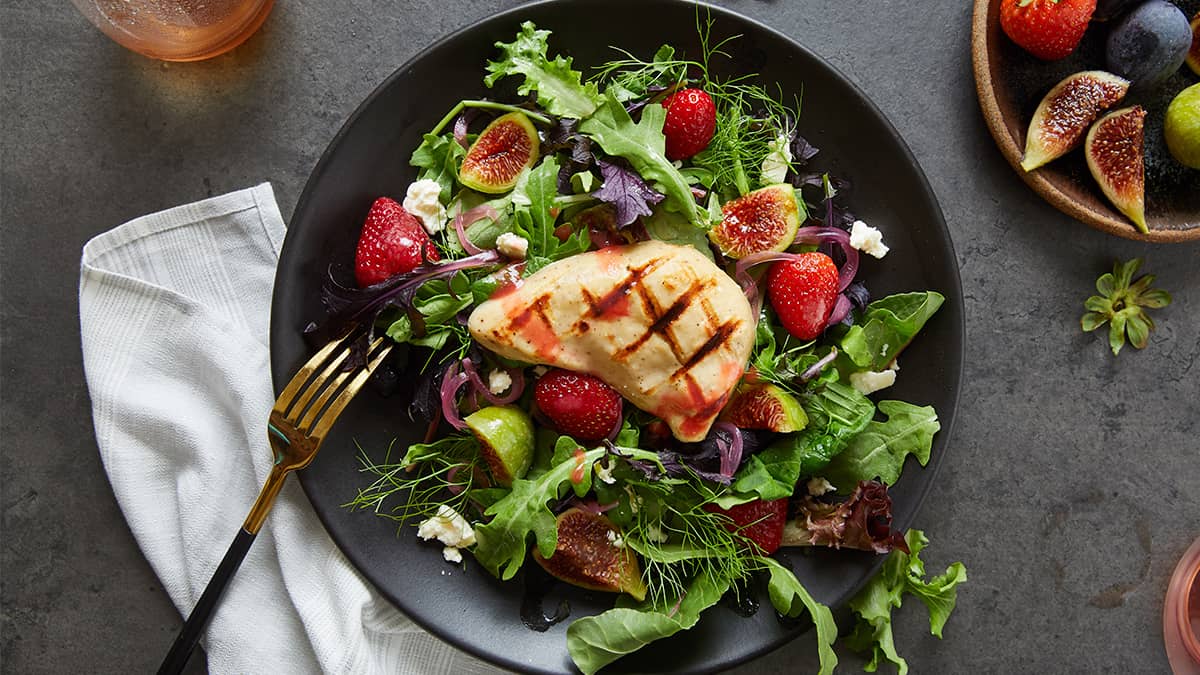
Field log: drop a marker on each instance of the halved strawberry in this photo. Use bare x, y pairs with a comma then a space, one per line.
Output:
803, 292
392, 242
581, 406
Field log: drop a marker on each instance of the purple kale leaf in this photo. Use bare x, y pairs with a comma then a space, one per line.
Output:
625, 189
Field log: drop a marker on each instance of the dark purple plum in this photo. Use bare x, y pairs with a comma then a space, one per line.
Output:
1149, 44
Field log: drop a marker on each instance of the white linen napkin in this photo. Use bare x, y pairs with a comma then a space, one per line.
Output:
174, 311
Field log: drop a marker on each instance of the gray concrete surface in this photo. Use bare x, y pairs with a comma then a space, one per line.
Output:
1073, 483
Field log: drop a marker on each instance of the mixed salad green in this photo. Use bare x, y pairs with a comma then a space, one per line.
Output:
675, 511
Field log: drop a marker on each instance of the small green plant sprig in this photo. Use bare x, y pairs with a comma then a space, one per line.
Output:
1122, 303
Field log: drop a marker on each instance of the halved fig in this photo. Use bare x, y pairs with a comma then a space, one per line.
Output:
763, 220
1193, 57
1066, 112
494, 162
1114, 155
765, 406
592, 555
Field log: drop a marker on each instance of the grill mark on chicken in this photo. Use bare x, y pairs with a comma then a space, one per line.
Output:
718, 340
612, 300
541, 337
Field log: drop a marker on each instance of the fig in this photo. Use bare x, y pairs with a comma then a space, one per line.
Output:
1066, 112
505, 436
1149, 44
764, 406
504, 149
1193, 57
591, 554
1114, 155
763, 220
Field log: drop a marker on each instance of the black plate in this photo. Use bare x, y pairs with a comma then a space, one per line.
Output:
368, 158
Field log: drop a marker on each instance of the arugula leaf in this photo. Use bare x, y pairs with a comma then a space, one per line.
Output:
881, 448
901, 573
643, 144
790, 598
439, 157
535, 213
836, 414
596, 641
501, 543
885, 329
672, 228
558, 86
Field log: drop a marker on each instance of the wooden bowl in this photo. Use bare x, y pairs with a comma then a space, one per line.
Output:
1010, 84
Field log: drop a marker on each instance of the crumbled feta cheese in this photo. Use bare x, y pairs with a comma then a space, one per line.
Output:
499, 381
775, 165
818, 486
512, 246
450, 528
540, 370
868, 382
421, 200
604, 473
867, 239
655, 533
615, 539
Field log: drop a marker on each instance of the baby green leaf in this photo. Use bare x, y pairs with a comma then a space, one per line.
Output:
881, 448
558, 86
885, 329
790, 598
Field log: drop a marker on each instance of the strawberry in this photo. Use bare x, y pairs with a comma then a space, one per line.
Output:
691, 121
392, 242
580, 406
759, 521
802, 293
1048, 29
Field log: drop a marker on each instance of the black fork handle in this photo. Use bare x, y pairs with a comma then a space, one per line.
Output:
193, 628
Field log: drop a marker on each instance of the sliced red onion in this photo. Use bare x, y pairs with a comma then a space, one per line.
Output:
817, 368
452, 381
731, 453
594, 507
460, 131
454, 488
612, 435
514, 390
840, 309
464, 220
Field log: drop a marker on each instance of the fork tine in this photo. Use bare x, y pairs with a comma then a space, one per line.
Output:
322, 425
302, 376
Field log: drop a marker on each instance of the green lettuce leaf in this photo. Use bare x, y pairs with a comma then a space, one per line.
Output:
439, 157
673, 228
836, 415
596, 641
502, 543
884, 329
790, 598
559, 88
535, 214
880, 450
438, 303
901, 573
643, 144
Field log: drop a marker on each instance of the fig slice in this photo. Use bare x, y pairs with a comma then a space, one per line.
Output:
590, 554
505, 436
1114, 156
765, 406
763, 220
1066, 112
504, 149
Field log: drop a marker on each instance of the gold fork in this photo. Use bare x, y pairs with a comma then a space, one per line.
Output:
299, 422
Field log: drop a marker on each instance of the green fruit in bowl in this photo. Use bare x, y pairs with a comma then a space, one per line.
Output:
1183, 127
505, 436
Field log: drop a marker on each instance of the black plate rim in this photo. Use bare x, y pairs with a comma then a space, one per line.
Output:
926, 194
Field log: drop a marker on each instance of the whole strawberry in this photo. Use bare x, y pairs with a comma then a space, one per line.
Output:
759, 521
580, 406
802, 293
691, 121
1048, 29
392, 242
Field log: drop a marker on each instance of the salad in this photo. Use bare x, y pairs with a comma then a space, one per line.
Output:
644, 356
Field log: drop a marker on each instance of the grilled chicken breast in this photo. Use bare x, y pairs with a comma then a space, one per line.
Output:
660, 323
